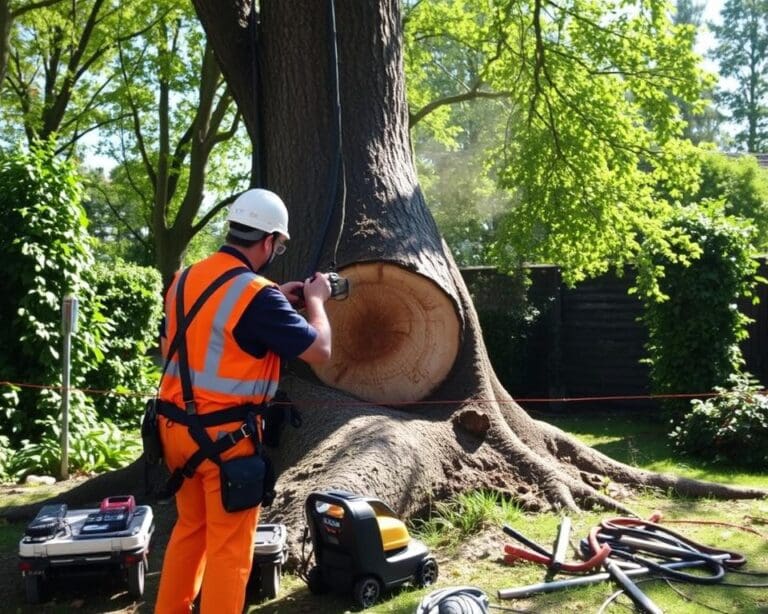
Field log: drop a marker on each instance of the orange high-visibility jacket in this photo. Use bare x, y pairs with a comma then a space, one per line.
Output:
222, 374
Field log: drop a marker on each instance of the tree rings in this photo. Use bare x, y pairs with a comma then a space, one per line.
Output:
395, 338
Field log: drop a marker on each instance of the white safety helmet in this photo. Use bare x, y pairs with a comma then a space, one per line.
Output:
259, 209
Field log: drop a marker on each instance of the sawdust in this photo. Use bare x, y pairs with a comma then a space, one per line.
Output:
486, 545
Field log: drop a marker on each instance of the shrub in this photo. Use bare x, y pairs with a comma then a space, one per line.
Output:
731, 428
740, 184
690, 304
95, 445
46, 253
131, 295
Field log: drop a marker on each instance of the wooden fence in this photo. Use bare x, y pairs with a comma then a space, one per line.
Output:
554, 342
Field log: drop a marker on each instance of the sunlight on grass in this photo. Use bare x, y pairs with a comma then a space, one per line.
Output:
739, 526
22, 494
736, 526
643, 442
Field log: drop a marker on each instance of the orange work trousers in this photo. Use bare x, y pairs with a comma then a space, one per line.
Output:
210, 550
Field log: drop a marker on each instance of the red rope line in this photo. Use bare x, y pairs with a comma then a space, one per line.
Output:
632, 397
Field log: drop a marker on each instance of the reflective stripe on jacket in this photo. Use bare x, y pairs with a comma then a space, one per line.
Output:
222, 374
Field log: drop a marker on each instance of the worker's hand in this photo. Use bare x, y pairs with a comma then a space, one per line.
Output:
293, 292
318, 287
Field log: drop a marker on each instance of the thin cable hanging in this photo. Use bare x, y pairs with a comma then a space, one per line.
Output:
257, 170
337, 173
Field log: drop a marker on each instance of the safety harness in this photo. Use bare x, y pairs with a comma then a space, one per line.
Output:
197, 423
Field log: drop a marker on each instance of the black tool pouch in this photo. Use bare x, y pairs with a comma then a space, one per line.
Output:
242, 482
150, 434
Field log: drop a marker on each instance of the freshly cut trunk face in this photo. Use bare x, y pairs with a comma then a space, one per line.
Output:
395, 338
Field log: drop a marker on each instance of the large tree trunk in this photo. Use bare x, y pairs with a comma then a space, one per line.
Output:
450, 427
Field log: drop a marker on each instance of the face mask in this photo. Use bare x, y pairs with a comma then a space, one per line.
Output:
264, 267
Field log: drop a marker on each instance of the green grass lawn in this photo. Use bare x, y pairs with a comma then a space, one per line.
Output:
467, 540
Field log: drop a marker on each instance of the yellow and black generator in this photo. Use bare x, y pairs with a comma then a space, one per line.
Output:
362, 547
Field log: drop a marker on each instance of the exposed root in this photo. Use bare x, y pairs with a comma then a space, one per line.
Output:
591, 461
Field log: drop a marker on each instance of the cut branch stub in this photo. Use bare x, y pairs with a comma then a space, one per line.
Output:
395, 338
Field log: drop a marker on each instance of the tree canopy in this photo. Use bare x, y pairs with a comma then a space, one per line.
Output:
588, 94
564, 119
136, 85
175, 136
60, 73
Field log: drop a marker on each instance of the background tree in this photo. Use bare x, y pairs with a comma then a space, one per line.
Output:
57, 78
579, 157
702, 119
118, 222
738, 186
124, 74
742, 43
9, 12
172, 145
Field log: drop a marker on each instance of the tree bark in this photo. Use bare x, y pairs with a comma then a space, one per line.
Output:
173, 228
6, 20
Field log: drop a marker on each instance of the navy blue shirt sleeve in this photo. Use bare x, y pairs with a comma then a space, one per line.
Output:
271, 323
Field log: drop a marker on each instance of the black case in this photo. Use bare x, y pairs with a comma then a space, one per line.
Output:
49, 521
108, 521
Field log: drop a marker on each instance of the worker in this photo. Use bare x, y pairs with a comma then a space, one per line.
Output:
234, 346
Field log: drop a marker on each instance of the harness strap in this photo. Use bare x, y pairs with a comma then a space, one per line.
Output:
196, 307
238, 413
207, 448
196, 423
182, 323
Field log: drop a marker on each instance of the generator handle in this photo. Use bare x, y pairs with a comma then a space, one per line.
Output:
347, 501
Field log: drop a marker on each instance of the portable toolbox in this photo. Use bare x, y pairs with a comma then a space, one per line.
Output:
113, 538
270, 553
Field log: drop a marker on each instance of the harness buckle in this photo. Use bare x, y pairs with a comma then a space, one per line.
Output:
244, 431
190, 407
